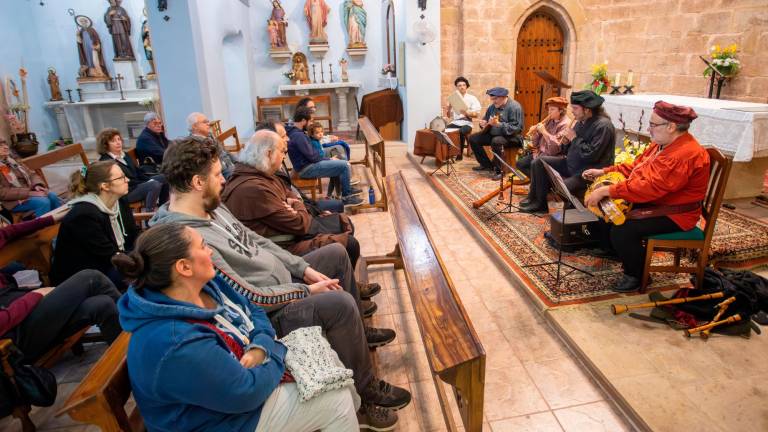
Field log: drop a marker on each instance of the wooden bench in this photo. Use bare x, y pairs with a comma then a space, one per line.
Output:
453, 348
101, 396
227, 134
40, 161
274, 108
375, 160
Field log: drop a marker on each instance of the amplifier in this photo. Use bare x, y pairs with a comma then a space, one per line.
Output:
581, 229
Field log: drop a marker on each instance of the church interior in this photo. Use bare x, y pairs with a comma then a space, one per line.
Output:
427, 215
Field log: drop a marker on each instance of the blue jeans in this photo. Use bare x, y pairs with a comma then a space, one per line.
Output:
329, 168
339, 143
39, 205
331, 205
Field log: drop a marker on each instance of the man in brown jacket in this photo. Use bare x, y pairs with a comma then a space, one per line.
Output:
265, 204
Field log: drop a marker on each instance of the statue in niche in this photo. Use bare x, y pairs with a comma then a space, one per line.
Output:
90, 50
354, 18
146, 42
119, 25
343, 64
53, 83
300, 68
277, 19
316, 12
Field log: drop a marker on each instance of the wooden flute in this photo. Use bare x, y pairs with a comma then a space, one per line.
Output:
621, 308
713, 324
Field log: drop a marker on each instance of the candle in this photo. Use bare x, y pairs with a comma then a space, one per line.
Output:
617, 81
629, 78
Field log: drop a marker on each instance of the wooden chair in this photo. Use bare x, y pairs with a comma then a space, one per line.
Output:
100, 397
313, 185
227, 134
215, 127
274, 108
453, 348
40, 161
696, 238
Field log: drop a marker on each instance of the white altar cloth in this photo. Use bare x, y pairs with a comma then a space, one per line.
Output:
739, 129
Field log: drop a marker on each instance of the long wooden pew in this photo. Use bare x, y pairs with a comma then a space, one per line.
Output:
100, 397
453, 348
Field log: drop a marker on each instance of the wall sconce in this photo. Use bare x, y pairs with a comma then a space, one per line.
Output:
424, 31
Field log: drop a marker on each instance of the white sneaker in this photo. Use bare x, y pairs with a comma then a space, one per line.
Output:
354, 180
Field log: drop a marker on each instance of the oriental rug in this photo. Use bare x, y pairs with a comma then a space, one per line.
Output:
739, 242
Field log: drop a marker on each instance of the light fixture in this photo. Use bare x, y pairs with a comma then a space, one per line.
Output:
424, 32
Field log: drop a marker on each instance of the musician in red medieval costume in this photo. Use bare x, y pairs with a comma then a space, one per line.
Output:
669, 180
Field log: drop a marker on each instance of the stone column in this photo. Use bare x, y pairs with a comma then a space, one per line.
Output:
61, 121
341, 96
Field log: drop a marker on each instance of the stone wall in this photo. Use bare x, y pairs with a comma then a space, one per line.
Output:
659, 40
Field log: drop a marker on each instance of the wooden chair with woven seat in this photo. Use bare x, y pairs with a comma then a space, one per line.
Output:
696, 238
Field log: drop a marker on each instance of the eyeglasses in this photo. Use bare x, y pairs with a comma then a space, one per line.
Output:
653, 125
122, 177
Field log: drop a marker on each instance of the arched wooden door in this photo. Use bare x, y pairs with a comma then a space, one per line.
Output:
539, 47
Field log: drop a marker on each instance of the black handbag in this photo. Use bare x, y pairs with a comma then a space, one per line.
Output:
326, 224
149, 167
30, 385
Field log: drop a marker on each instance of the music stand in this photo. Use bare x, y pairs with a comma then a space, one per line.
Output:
720, 78
513, 172
553, 82
447, 167
558, 185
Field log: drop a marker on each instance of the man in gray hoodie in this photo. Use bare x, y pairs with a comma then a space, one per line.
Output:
317, 289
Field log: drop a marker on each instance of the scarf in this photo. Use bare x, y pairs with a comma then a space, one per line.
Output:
120, 158
115, 218
8, 168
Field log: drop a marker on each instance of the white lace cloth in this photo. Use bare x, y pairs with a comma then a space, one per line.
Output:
738, 129
314, 364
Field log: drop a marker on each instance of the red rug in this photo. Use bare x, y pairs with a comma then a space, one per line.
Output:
519, 239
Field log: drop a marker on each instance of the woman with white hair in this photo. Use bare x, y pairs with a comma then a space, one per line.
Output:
152, 141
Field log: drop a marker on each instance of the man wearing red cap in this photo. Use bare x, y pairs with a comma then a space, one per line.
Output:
669, 179
547, 137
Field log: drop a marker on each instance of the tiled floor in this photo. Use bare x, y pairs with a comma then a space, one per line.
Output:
533, 383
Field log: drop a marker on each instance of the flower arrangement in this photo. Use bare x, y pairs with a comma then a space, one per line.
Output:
387, 68
600, 82
724, 60
630, 151
61, 142
290, 75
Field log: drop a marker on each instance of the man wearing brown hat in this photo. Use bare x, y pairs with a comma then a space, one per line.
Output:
668, 181
591, 146
546, 136
502, 124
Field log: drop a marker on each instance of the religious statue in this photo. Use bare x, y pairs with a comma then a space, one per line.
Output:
316, 12
53, 83
300, 68
146, 41
119, 25
277, 22
343, 64
90, 50
354, 18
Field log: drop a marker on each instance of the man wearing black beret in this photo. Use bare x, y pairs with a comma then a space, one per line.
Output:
591, 145
501, 124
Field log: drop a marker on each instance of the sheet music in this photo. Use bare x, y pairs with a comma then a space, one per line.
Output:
457, 102
562, 189
445, 138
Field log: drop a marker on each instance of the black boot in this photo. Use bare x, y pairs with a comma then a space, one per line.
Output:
627, 284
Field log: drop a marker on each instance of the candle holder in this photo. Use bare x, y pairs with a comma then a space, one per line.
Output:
69, 96
80, 95
314, 75
628, 90
142, 82
615, 90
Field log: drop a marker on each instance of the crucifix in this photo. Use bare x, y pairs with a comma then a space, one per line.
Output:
322, 74
120, 85
314, 76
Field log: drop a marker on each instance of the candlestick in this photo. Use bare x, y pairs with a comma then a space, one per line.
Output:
628, 89
617, 81
69, 95
314, 76
330, 70
615, 89
120, 85
322, 74
142, 82
79, 95
629, 78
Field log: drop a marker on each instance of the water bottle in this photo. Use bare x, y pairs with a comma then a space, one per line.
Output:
371, 196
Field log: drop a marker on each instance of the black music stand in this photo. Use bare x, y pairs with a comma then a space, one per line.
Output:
513, 173
551, 81
558, 186
720, 78
447, 167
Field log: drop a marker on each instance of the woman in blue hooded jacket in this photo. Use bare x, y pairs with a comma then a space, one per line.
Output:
203, 358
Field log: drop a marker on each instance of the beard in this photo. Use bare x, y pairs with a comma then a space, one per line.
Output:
211, 200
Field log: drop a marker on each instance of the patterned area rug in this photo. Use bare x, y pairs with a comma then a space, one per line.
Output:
519, 238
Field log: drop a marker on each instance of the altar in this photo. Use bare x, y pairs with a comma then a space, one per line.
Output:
738, 129
346, 100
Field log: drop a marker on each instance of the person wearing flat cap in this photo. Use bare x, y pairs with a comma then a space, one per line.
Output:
504, 121
547, 136
668, 182
591, 145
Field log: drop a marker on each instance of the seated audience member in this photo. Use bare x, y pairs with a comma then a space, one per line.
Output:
10, 232
318, 289
98, 226
309, 164
591, 146
200, 128
326, 146
152, 141
669, 179
141, 188
502, 123
323, 205
462, 120
37, 320
266, 205
333, 140
201, 357
21, 189
547, 137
